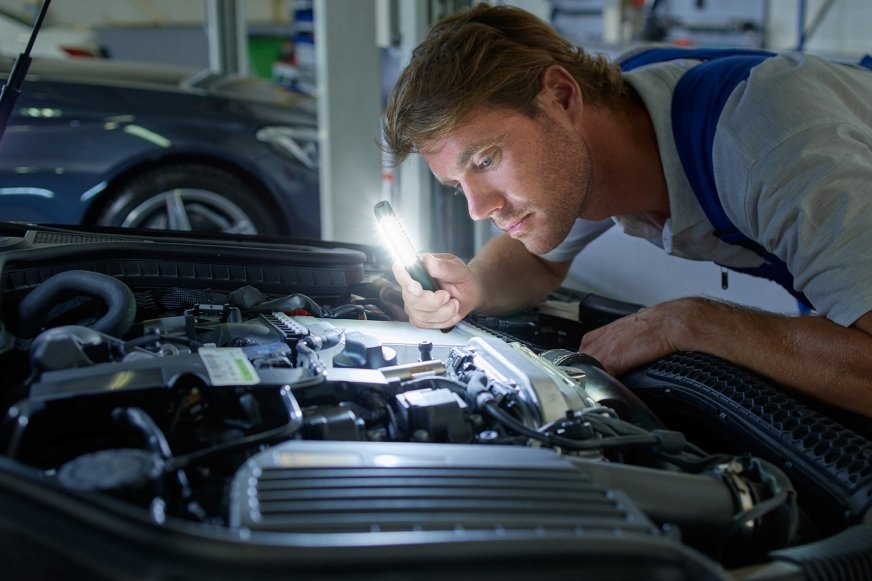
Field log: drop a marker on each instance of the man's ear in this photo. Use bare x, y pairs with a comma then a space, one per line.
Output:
559, 89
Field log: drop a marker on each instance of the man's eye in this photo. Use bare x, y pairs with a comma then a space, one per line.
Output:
485, 163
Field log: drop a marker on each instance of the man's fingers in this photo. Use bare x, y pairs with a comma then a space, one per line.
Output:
437, 309
444, 315
414, 288
400, 273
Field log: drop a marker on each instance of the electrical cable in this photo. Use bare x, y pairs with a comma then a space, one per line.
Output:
295, 422
146, 340
582, 445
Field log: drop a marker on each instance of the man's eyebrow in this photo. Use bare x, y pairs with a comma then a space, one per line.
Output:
470, 150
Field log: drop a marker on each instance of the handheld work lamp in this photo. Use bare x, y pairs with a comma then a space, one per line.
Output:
401, 245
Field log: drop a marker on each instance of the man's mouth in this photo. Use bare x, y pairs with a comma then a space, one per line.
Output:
514, 229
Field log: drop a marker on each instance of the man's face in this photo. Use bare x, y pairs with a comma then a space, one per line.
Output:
531, 176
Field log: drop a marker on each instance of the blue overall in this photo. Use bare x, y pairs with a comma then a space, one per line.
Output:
697, 102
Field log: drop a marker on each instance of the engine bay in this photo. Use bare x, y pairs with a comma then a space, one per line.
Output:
258, 394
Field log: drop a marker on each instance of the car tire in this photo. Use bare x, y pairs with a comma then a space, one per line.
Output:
189, 197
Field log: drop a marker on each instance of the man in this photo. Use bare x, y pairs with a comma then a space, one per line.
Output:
548, 141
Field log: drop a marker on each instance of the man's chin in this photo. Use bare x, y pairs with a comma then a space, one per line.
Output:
536, 246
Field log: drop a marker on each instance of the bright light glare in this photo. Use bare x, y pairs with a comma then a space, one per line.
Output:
398, 240
23, 191
148, 135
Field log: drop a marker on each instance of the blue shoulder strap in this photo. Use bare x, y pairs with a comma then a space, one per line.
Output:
698, 100
697, 103
659, 55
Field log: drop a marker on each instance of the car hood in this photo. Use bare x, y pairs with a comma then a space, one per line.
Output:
160, 77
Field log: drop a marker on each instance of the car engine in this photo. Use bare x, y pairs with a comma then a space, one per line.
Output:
260, 396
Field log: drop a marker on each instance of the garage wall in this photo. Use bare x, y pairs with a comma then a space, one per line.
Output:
162, 31
843, 30
108, 13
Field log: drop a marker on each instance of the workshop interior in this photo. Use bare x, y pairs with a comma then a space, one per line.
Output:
204, 374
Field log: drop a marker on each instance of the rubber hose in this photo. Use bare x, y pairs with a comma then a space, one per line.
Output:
846, 556
119, 299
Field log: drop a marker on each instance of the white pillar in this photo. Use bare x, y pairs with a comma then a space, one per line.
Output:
349, 118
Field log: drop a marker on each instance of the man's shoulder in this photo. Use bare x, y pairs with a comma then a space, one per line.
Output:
637, 49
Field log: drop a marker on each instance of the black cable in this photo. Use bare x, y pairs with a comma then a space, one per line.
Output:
694, 465
759, 510
282, 432
349, 311
146, 340
603, 443
295, 422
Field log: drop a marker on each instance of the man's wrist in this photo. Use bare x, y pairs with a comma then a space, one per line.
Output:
691, 324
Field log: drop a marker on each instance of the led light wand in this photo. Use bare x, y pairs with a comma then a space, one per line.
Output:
403, 248
402, 245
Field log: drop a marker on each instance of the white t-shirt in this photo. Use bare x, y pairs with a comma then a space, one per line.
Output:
793, 167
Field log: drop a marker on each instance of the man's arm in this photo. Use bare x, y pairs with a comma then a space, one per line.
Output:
808, 353
511, 278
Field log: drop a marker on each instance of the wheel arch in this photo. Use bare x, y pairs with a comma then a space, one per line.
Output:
280, 211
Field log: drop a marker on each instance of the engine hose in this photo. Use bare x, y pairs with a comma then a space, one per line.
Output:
845, 556
605, 389
704, 507
830, 465
119, 299
145, 426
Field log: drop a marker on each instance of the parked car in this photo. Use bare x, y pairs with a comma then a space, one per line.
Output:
105, 142
53, 40
177, 405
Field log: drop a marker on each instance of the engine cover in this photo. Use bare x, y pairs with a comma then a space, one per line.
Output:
374, 487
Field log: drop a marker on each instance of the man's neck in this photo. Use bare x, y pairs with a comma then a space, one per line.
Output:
630, 158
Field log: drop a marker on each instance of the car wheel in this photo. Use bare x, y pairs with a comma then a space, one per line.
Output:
189, 197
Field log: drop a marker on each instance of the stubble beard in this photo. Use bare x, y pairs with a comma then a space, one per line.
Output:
567, 181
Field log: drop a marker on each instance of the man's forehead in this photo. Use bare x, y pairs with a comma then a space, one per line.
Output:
473, 135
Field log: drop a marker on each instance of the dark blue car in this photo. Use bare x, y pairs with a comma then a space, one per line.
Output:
128, 144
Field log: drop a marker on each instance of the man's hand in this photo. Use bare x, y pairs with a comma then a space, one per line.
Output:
808, 353
636, 339
458, 295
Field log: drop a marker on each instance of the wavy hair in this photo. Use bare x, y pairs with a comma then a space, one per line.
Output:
485, 56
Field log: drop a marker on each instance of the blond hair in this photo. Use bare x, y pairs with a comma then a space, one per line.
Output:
485, 56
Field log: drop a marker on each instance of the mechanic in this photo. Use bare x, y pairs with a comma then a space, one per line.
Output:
554, 145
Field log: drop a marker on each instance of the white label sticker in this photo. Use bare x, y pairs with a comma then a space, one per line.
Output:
228, 366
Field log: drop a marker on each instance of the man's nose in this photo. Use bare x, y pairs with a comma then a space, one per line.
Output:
482, 200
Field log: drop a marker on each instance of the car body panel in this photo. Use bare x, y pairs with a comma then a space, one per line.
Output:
69, 145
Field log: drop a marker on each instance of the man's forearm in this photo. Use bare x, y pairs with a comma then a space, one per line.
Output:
511, 278
808, 353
